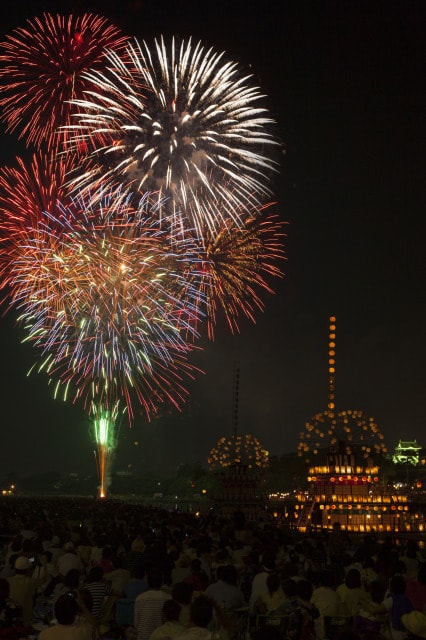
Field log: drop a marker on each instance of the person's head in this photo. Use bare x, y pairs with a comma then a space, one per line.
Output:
304, 590
289, 588
107, 552
182, 592
4, 589
171, 610
412, 549
368, 562
400, 567
326, 578
415, 623
66, 609
154, 578
273, 582
195, 565
139, 571
268, 561
397, 584
184, 561
353, 579
72, 579
16, 544
201, 611
377, 591
96, 573
12, 560
229, 574
48, 555
421, 574
22, 565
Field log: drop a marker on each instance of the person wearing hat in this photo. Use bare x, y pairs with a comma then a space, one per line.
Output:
69, 560
23, 587
415, 623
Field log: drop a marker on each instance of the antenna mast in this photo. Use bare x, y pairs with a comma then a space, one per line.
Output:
236, 399
331, 366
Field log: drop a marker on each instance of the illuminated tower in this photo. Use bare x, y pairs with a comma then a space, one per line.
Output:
331, 364
239, 461
345, 489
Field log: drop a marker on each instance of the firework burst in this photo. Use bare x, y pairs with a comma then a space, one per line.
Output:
100, 295
41, 68
179, 120
237, 264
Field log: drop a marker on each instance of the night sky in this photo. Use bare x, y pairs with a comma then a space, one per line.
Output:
346, 84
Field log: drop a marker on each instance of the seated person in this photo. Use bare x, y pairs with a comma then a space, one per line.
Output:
65, 628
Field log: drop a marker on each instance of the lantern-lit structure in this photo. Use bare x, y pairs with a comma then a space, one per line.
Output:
346, 489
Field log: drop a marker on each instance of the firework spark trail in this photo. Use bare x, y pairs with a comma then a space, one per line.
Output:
41, 70
101, 296
105, 435
146, 215
181, 121
237, 264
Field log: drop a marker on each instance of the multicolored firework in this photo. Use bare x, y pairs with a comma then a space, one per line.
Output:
141, 213
41, 70
179, 120
237, 264
100, 295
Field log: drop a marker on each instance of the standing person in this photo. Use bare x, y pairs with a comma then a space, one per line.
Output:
149, 605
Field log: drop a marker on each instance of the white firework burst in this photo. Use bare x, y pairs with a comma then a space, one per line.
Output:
179, 120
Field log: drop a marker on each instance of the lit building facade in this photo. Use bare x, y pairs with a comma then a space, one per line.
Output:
351, 494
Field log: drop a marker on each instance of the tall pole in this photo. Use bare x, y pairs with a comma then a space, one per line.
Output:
331, 367
236, 400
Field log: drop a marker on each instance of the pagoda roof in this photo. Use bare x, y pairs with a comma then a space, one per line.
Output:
408, 444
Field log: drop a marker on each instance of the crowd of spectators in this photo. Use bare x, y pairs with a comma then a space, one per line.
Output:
86, 569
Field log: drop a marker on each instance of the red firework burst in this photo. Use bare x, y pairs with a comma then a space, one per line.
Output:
41, 70
26, 192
